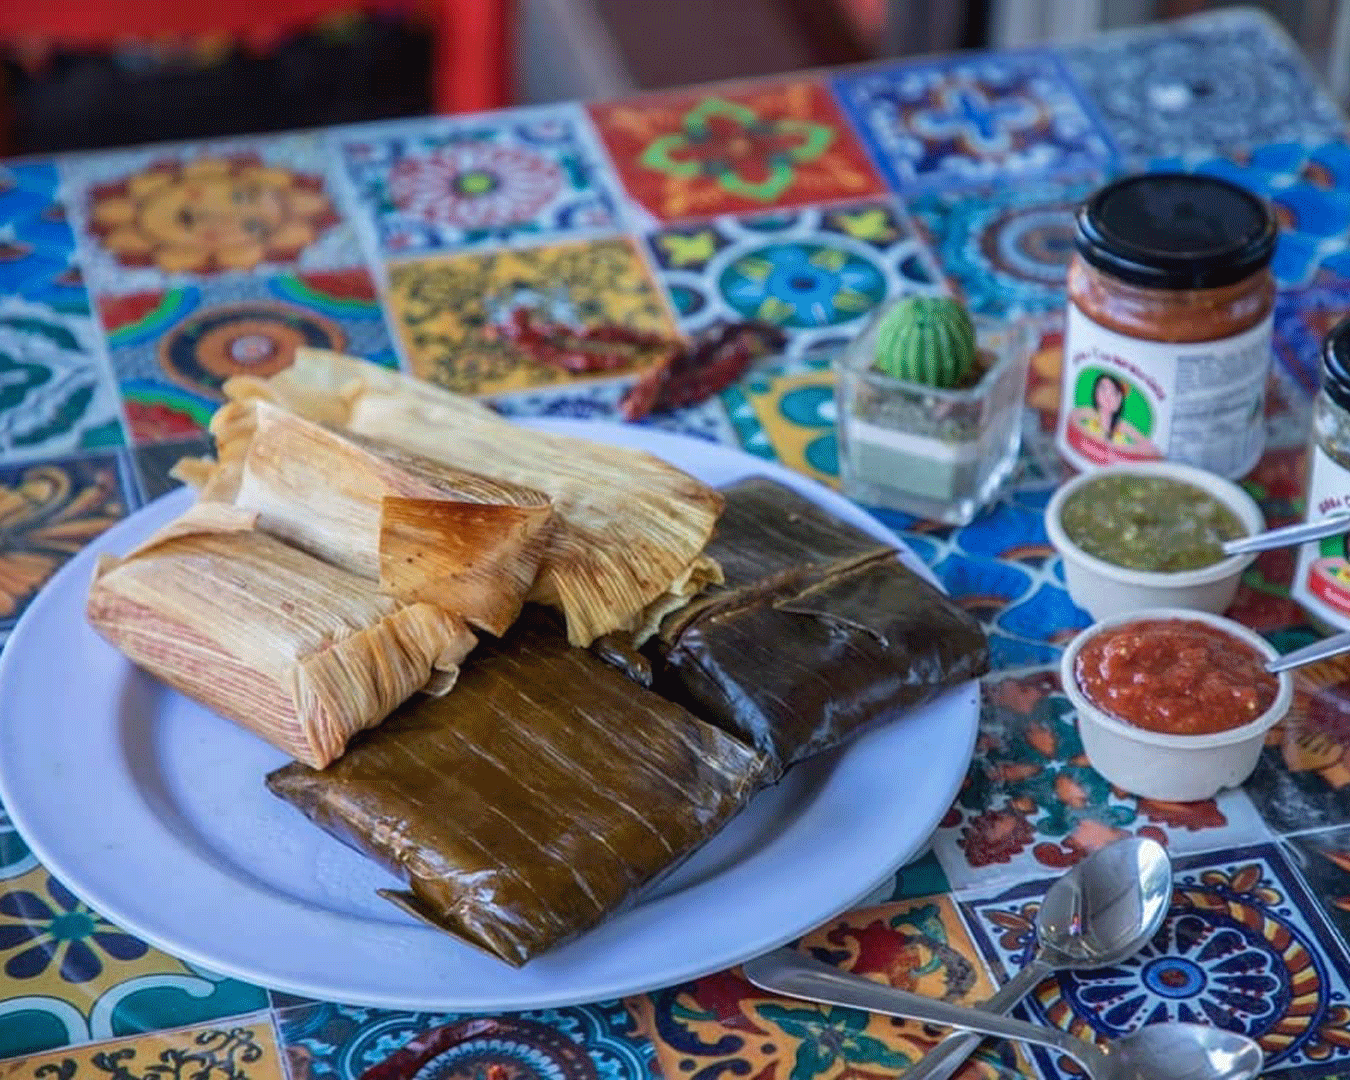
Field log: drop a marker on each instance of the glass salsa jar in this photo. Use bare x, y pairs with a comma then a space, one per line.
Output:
1167, 337
1322, 579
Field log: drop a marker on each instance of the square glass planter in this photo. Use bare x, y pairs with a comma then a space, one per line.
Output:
939, 454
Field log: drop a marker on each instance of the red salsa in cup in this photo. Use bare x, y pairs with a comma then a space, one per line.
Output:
1176, 676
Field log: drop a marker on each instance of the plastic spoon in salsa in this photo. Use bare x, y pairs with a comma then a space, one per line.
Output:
1164, 1051
1310, 654
1289, 535
1104, 910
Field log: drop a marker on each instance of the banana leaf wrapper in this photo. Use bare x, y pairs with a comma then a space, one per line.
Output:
627, 545
818, 632
424, 530
299, 652
533, 801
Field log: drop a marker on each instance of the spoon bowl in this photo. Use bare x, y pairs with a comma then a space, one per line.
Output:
1167, 1051
1099, 913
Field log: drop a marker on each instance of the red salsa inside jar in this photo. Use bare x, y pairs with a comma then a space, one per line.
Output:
1176, 676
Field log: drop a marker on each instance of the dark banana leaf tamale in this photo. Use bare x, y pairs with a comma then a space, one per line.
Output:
533, 801
818, 630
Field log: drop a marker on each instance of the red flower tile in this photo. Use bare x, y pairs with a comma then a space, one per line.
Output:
729, 151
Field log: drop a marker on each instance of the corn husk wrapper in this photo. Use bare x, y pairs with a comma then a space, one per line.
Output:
301, 653
628, 544
423, 530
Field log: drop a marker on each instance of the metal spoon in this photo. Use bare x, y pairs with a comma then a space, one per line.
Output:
1289, 535
1105, 909
1310, 654
1168, 1051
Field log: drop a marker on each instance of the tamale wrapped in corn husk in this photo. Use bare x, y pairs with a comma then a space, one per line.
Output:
817, 631
424, 530
301, 653
628, 543
534, 800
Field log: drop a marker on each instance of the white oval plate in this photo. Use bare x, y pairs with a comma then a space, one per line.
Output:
154, 811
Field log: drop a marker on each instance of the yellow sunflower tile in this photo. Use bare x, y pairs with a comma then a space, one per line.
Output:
449, 311
238, 1051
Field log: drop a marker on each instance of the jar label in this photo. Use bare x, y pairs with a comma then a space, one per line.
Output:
1322, 580
1201, 403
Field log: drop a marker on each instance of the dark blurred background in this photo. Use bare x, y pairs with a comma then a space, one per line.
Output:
370, 61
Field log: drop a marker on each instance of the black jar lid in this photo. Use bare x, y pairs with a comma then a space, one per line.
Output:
1336, 364
1175, 231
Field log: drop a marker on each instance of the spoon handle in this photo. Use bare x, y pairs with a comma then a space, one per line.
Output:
801, 976
1310, 654
1289, 535
945, 1060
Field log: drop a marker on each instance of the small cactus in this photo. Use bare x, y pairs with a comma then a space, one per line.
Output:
928, 340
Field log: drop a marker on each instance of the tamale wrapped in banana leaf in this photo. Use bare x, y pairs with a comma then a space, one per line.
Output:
424, 530
301, 653
534, 800
627, 546
818, 630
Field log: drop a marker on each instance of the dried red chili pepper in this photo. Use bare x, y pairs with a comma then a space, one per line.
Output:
584, 351
708, 366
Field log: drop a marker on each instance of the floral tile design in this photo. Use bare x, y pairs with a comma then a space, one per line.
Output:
339, 1042
439, 184
792, 418
449, 311
70, 975
972, 120
166, 216
733, 150
37, 245
245, 1050
1221, 79
818, 273
172, 350
1005, 250
1031, 800
1324, 860
600, 401
48, 512
721, 1024
1309, 186
55, 393
1244, 948
1302, 781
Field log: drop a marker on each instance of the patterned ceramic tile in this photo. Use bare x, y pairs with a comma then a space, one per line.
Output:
152, 462
171, 215
1324, 859
69, 971
48, 512
438, 184
1230, 78
600, 401
817, 273
721, 1025
1005, 250
55, 393
37, 245
795, 414
245, 1050
1303, 779
588, 1042
1031, 800
731, 150
1244, 947
972, 120
172, 350
448, 310
1309, 185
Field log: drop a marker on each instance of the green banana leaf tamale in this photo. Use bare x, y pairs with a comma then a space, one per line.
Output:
817, 631
535, 800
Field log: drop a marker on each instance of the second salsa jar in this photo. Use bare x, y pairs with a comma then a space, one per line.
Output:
1167, 339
